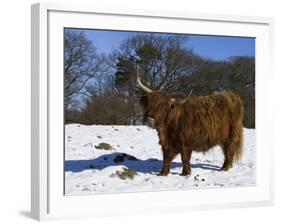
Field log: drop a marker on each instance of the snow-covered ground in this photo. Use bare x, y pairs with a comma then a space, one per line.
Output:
90, 170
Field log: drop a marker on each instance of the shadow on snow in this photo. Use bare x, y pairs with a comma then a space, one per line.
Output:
143, 166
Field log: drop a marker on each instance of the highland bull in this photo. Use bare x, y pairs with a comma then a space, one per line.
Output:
196, 123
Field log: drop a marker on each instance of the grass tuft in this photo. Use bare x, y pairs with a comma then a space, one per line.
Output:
127, 173
103, 146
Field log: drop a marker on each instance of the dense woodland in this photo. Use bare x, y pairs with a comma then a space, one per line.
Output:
102, 89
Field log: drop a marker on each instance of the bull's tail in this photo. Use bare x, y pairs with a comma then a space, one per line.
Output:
237, 142
236, 129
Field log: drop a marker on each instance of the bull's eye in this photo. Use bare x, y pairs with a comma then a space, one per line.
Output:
145, 117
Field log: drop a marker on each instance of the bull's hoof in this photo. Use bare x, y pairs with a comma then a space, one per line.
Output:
163, 174
226, 168
185, 172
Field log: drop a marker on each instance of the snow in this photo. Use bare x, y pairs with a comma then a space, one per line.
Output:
89, 170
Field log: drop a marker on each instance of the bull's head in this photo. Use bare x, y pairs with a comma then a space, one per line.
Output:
156, 105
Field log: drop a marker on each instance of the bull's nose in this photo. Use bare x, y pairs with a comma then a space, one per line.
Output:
150, 119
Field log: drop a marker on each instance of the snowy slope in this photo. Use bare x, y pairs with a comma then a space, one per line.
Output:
89, 170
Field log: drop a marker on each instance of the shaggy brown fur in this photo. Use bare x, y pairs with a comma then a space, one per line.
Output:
198, 124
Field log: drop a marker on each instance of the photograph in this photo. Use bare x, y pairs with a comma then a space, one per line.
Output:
148, 111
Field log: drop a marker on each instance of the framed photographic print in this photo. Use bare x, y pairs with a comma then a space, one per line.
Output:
169, 109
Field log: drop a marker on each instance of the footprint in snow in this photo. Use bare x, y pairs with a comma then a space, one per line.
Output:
86, 188
218, 184
88, 145
250, 165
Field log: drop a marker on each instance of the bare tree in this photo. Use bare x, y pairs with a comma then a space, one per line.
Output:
81, 65
163, 60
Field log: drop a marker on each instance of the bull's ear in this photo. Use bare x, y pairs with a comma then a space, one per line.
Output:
173, 116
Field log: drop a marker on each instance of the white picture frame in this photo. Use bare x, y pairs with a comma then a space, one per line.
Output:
48, 200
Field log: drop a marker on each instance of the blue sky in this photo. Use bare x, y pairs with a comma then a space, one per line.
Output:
213, 47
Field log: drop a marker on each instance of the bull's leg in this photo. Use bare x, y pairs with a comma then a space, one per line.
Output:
228, 157
185, 157
168, 156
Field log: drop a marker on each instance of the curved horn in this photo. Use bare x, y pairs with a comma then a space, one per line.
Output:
143, 87
181, 101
